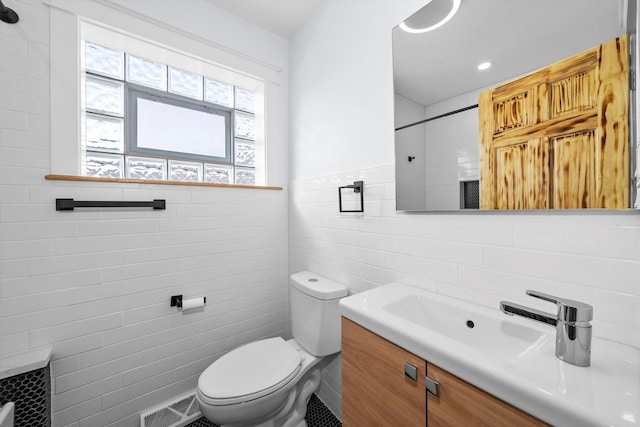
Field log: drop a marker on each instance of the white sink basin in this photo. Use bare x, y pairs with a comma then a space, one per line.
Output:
510, 357
493, 336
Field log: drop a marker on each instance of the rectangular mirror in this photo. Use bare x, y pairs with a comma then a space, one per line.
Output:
442, 161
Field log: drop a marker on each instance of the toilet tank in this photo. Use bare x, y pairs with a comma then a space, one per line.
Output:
315, 321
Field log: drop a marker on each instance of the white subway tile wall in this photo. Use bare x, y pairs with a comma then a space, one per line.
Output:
478, 258
95, 284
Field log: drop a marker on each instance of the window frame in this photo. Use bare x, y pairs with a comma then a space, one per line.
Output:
130, 92
71, 24
133, 92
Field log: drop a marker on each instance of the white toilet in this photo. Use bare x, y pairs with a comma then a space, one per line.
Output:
269, 382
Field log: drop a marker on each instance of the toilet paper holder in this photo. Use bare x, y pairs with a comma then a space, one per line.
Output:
176, 301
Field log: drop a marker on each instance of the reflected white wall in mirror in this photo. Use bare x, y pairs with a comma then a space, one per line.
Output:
410, 144
451, 158
436, 72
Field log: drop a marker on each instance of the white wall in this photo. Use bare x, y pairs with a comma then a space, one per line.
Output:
204, 19
95, 284
342, 129
335, 61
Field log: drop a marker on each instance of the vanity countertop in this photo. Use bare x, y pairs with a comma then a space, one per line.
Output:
510, 357
19, 363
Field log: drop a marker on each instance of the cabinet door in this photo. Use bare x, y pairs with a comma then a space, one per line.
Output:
462, 404
559, 137
375, 389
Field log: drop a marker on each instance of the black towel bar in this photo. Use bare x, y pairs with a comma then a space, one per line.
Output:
70, 204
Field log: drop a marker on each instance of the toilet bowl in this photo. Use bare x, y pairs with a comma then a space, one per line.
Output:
269, 382
258, 395
6, 414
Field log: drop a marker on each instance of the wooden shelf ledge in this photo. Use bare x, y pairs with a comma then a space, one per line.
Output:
154, 181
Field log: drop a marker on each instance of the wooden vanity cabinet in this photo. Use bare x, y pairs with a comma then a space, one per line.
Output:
376, 391
462, 404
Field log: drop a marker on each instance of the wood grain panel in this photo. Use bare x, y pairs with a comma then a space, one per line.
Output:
462, 404
574, 171
612, 175
577, 109
573, 94
514, 112
375, 391
511, 177
485, 130
572, 65
522, 175
552, 127
538, 189
154, 182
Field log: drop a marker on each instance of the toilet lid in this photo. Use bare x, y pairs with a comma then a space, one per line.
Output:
251, 370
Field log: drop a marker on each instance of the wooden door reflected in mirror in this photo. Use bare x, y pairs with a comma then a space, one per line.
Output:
558, 138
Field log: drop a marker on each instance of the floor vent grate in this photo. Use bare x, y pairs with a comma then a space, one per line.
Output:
176, 413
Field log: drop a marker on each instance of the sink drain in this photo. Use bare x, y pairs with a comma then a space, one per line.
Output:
470, 324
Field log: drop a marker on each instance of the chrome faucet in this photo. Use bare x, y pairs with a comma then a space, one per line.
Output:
573, 330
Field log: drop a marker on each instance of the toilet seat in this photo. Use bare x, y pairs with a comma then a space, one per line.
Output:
249, 372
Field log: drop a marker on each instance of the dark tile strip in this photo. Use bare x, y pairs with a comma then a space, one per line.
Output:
318, 415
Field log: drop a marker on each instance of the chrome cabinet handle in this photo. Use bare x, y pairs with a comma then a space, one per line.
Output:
433, 386
410, 371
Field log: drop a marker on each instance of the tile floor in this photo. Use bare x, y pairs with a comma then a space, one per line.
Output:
318, 415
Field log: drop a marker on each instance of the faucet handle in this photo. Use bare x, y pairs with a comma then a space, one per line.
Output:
568, 310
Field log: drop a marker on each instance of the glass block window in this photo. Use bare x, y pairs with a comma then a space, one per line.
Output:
104, 165
104, 61
147, 120
185, 83
245, 152
218, 93
245, 100
146, 73
104, 96
185, 171
218, 174
105, 133
245, 176
245, 125
146, 168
